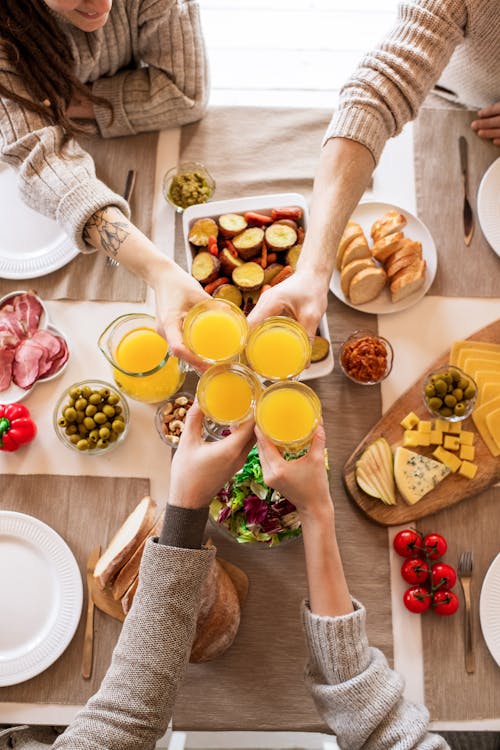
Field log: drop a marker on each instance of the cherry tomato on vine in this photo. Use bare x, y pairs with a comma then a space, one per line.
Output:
443, 576
435, 546
415, 570
417, 599
444, 602
407, 542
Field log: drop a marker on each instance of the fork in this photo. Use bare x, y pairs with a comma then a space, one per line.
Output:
465, 575
127, 194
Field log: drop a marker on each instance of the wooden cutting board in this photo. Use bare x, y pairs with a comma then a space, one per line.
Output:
454, 488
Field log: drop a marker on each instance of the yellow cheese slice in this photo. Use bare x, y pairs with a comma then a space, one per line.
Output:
479, 417
493, 425
467, 353
487, 392
474, 364
486, 376
476, 345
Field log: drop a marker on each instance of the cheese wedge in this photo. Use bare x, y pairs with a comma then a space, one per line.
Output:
416, 475
493, 425
479, 416
478, 346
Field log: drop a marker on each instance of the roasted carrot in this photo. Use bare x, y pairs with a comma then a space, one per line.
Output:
263, 261
231, 248
287, 212
213, 247
252, 217
272, 258
285, 272
300, 235
210, 288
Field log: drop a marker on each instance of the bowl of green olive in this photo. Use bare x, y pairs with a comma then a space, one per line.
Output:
91, 417
449, 393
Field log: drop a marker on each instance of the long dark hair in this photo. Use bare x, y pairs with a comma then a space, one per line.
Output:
36, 45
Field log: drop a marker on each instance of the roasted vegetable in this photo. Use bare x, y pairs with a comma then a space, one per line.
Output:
205, 267
201, 231
287, 212
214, 285
256, 219
285, 272
16, 426
248, 277
292, 256
288, 222
228, 261
320, 349
232, 224
271, 271
249, 242
229, 292
280, 237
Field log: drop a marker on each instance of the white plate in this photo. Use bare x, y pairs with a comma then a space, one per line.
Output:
489, 609
488, 205
30, 244
213, 209
366, 214
41, 590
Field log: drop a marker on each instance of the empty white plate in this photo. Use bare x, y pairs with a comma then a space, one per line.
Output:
488, 205
489, 609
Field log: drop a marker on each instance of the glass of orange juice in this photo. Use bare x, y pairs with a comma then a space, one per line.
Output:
142, 365
215, 331
288, 413
227, 394
279, 348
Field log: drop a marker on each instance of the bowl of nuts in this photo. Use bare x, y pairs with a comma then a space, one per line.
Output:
91, 417
171, 415
449, 393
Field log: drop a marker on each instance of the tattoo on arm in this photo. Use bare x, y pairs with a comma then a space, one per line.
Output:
108, 231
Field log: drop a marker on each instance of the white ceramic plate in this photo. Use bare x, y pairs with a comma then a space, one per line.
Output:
41, 597
488, 205
30, 244
366, 214
489, 609
265, 203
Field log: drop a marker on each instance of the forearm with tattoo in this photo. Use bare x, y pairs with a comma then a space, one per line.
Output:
107, 229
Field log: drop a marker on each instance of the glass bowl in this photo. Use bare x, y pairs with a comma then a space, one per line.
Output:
166, 409
366, 358
449, 393
188, 184
88, 390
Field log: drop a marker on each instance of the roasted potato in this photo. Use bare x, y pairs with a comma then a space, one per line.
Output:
201, 230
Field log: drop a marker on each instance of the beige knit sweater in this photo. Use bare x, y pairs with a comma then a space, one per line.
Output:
149, 62
393, 80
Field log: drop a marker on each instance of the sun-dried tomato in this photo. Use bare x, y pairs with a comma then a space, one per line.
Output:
365, 359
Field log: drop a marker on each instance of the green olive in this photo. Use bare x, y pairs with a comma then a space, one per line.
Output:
104, 433
101, 443
86, 391
445, 411
95, 398
100, 418
80, 404
70, 414
74, 439
113, 437
71, 429
89, 423
90, 410
118, 426
94, 435
441, 387
62, 422
108, 410
460, 409
82, 430
458, 393
450, 400
75, 393
113, 399
470, 392
82, 445
435, 403
105, 393
430, 390
118, 409
80, 416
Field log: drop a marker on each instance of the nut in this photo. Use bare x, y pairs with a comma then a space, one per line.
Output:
168, 418
168, 409
181, 412
175, 425
181, 401
174, 439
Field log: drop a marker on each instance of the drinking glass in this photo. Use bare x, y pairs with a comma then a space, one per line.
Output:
215, 331
288, 412
227, 394
279, 348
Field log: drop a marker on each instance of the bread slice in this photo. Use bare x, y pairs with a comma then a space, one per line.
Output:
351, 269
386, 246
413, 264
367, 285
128, 597
126, 540
389, 223
394, 267
406, 247
408, 283
351, 231
358, 248
130, 570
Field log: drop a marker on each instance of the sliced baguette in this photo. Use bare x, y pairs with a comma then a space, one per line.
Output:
128, 598
366, 285
415, 265
356, 249
399, 265
351, 269
130, 570
386, 246
406, 247
408, 283
351, 231
126, 540
389, 223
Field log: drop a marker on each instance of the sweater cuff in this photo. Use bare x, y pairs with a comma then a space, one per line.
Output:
338, 646
359, 124
183, 527
80, 203
111, 123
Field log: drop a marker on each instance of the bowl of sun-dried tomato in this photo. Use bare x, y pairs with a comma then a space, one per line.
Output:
366, 358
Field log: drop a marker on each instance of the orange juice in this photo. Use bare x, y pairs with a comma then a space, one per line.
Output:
278, 349
227, 393
141, 350
215, 331
288, 413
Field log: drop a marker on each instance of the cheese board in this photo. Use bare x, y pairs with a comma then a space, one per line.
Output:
454, 488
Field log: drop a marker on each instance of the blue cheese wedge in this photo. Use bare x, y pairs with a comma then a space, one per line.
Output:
416, 475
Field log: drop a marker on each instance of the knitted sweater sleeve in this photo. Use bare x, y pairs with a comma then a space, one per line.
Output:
355, 691
170, 88
392, 81
134, 704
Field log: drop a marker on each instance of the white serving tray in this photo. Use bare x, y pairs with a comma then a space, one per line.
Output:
259, 203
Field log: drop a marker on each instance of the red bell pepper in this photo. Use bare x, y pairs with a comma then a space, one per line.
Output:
16, 426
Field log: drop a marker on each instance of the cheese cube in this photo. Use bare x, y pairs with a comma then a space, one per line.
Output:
468, 470
411, 439
451, 442
441, 424
436, 437
424, 426
409, 422
455, 428
466, 437
447, 458
467, 452
424, 438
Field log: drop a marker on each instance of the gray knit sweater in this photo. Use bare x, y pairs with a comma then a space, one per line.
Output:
149, 61
355, 691
392, 81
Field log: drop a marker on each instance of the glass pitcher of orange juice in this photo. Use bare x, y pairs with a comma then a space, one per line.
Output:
143, 367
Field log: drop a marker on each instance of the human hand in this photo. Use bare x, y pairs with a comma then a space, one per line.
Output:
199, 469
488, 124
304, 480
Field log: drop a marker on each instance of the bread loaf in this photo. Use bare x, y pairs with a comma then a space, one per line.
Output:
130, 570
366, 285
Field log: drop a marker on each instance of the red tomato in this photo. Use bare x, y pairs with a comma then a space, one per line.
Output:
417, 599
444, 602
408, 543
443, 576
435, 546
415, 570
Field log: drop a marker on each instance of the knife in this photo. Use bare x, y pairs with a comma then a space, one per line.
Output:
88, 643
467, 211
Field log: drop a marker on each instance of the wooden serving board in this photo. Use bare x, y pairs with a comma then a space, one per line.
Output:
451, 490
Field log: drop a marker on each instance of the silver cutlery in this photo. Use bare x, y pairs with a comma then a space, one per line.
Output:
468, 217
127, 194
465, 575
